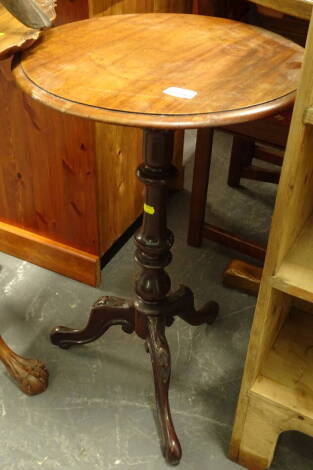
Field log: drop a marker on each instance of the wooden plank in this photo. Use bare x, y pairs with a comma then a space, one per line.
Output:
243, 276
113, 7
298, 8
234, 241
120, 194
308, 116
286, 377
47, 170
295, 274
50, 254
69, 10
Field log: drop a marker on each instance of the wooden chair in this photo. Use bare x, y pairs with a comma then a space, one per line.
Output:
259, 140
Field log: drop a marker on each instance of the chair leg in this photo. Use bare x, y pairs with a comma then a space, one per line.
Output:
241, 156
199, 191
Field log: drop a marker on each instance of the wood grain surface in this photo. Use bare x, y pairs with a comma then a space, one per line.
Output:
116, 69
14, 36
50, 254
113, 7
298, 8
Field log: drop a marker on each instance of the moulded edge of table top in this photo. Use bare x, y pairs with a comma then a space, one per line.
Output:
285, 378
295, 275
124, 118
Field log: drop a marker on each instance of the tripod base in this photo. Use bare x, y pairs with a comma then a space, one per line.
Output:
109, 311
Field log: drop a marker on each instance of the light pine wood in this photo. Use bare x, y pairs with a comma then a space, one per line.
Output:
308, 116
14, 36
281, 399
113, 7
123, 201
295, 273
66, 260
294, 207
297, 8
137, 97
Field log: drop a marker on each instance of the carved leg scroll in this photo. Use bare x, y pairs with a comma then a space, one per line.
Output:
30, 375
161, 363
181, 303
106, 312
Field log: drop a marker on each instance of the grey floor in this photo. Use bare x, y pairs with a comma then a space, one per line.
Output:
98, 412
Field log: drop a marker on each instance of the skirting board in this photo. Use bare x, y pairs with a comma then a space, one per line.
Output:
50, 254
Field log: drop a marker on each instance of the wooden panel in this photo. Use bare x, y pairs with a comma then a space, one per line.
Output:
117, 7
298, 8
71, 10
286, 377
120, 194
50, 254
295, 274
47, 170
308, 116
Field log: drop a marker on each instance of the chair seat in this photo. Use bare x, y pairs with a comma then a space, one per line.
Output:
162, 70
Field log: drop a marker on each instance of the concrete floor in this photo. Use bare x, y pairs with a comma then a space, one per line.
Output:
98, 410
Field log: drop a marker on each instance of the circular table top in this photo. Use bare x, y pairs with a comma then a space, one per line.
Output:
162, 70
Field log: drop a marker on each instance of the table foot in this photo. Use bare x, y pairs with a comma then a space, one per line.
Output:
161, 362
30, 375
106, 312
183, 306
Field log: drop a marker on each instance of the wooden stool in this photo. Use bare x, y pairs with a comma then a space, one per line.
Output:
30, 374
160, 72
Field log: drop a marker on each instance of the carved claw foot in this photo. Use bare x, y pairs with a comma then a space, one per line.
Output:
30, 374
161, 363
106, 312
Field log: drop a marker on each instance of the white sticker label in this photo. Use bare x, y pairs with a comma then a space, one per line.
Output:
180, 92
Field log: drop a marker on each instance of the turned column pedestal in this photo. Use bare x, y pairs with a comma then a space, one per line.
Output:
154, 306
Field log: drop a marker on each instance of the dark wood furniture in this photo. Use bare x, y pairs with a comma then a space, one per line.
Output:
132, 70
30, 374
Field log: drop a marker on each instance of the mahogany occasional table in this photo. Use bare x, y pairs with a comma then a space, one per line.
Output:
160, 72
